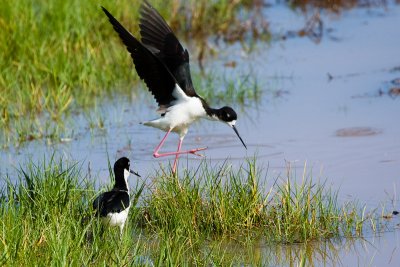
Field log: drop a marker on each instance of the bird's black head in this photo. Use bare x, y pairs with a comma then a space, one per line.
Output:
122, 168
228, 115
122, 164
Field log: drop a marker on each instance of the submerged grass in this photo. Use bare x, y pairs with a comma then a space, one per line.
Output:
60, 56
45, 217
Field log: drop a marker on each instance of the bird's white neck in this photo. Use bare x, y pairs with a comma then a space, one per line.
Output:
126, 176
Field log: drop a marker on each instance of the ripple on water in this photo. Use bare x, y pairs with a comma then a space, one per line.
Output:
357, 132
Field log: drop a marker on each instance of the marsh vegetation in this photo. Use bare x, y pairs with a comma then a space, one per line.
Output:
186, 219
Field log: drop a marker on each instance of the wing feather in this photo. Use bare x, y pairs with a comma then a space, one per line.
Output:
151, 69
156, 33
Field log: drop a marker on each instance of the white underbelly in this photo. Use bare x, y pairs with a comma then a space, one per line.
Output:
179, 116
116, 219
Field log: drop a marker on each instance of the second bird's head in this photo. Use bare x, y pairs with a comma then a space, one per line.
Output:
229, 116
123, 166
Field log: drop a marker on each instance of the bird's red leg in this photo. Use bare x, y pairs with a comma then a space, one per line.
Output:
192, 151
155, 153
177, 155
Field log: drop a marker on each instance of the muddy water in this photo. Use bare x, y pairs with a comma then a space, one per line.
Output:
326, 104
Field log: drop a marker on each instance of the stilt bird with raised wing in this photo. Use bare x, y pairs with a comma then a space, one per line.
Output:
162, 62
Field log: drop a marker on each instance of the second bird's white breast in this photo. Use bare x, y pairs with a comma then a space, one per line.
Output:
116, 219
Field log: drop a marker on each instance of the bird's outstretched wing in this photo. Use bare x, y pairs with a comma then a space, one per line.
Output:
150, 68
111, 202
158, 36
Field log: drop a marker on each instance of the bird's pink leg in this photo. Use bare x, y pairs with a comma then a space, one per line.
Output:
177, 155
155, 153
158, 155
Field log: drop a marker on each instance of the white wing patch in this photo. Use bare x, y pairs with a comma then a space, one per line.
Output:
179, 94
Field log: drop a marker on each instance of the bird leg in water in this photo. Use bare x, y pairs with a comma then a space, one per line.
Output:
177, 156
177, 153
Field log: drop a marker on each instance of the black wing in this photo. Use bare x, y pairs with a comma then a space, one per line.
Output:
112, 201
152, 70
157, 34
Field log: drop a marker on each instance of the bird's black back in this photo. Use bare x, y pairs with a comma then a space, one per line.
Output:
111, 202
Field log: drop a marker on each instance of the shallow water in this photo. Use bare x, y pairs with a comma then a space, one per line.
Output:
371, 251
325, 104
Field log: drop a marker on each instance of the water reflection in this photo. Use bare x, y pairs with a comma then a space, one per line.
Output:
337, 5
334, 252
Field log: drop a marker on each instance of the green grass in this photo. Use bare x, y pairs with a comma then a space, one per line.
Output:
45, 218
223, 202
58, 56
228, 88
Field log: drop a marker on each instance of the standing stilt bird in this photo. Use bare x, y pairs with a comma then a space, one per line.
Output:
162, 62
113, 206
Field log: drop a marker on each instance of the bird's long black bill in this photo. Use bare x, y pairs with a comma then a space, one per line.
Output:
237, 133
135, 173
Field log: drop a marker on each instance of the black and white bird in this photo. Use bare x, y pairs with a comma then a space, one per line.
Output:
162, 62
112, 207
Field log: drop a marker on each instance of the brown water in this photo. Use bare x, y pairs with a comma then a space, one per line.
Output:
324, 103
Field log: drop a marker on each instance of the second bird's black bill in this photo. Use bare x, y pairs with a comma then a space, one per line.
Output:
135, 173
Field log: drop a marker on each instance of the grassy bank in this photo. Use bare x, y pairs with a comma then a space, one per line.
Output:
193, 219
58, 57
